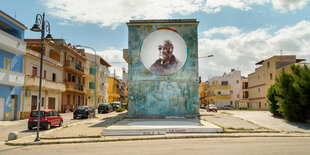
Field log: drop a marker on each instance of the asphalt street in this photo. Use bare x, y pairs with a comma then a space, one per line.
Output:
249, 145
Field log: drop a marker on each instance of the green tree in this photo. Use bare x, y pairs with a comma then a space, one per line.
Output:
301, 84
292, 93
271, 96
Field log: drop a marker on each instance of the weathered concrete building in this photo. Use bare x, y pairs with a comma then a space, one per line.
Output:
163, 68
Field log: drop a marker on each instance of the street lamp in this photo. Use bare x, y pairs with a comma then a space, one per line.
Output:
208, 56
95, 71
45, 26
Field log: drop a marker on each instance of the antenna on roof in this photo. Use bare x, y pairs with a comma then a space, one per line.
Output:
281, 52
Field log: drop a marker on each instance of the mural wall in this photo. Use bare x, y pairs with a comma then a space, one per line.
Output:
163, 68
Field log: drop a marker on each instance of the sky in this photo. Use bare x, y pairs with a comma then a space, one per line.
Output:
238, 33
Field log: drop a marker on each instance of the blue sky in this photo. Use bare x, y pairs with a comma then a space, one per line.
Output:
237, 32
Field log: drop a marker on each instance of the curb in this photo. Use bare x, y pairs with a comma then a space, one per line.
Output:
105, 139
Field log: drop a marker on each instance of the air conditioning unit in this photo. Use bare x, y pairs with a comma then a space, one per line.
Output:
27, 93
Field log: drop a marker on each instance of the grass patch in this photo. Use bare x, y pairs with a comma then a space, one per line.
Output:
239, 129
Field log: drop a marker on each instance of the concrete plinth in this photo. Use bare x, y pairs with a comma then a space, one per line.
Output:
159, 127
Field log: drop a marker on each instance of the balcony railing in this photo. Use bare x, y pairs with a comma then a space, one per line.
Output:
74, 66
11, 43
74, 86
11, 78
32, 81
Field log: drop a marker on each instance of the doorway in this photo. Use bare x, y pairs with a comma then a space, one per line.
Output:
2, 109
14, 104
33, 102
51, 103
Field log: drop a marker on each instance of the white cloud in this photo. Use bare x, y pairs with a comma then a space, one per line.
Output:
214, 6
115, 58
242, 51
227, 31
112, 13
292, 5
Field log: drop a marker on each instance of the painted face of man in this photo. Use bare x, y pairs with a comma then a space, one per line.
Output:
167, 50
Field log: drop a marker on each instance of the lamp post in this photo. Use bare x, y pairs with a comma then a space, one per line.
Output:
45, 26
208, 56
95, 71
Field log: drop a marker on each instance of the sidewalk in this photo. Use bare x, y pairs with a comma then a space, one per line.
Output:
91, 130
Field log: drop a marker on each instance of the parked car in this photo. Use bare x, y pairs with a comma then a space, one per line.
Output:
84, 112
202, 106
228, 107
211, 107
48, 118
105, 108
115, 105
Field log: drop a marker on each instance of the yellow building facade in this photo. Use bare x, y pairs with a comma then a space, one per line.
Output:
113, 89
264, 76
203, 93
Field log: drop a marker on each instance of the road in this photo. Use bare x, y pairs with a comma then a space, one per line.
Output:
265, 119
261, 145
20, 126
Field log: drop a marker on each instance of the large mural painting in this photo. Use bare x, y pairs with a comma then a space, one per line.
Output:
163, 52
163, 68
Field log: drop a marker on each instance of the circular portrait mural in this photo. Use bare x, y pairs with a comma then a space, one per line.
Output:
163, 52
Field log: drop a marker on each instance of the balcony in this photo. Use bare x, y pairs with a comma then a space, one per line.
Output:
31, 81
219, 87
74, 67
219, 97
71, 86
11, 43
12, 78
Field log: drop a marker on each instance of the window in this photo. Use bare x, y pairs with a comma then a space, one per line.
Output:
231, 92
219, 93
34, 71
224, 83
7, 64
42, 102
54, 77
268, 64
69, 77
49, 114
237, 81
54, 113
270, 76
258, 77
258, 89
237, 95
73, 78
44, 74
70, 58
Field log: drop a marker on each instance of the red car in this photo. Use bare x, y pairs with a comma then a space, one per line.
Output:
211, 107
49, 117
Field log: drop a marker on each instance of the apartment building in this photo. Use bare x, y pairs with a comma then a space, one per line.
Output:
244, 95
225, 90
73, 76
12, 49
113, 89
203, 93
102, 73
264, 76
52, 85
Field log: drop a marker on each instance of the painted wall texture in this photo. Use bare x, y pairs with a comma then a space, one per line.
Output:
151, 94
